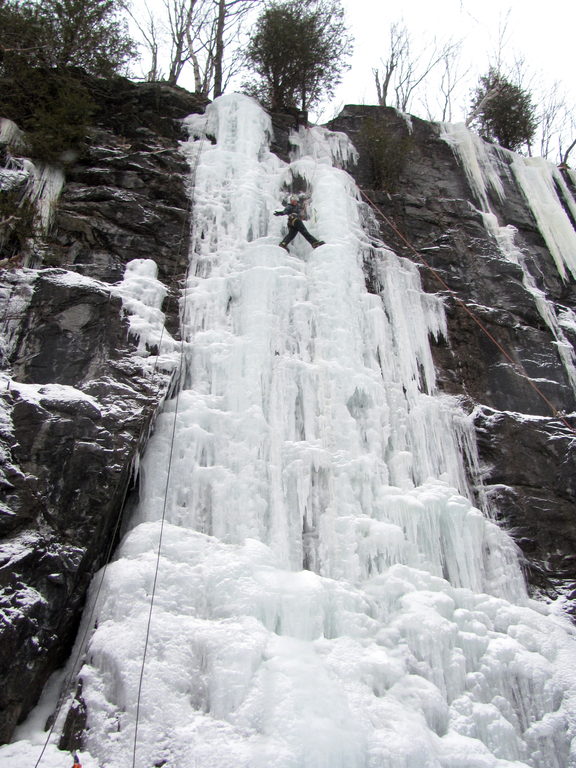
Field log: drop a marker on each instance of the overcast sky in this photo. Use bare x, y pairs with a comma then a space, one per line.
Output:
542, 31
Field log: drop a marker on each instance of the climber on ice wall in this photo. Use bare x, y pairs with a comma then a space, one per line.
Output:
294, 211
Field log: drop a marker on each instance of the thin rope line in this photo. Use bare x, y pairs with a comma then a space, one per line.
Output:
478, 322
88, 627
157, 567
167, 484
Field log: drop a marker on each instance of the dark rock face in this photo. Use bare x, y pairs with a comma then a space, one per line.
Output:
282, 126
528, 454
126, 198
77, 425
532, 487
78, 399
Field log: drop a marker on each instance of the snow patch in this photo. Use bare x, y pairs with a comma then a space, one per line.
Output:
142, 297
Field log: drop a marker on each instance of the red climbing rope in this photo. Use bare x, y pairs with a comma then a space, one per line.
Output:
516, 367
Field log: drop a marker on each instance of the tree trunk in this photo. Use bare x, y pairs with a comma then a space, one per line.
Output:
564, 158
219, 54
176, 63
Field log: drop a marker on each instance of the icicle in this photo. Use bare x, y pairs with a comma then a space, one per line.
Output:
10, 134
142, 297
407, 119
44, 182
16, 292
539, 181
44, 187
543, 184
481, 171
322, 146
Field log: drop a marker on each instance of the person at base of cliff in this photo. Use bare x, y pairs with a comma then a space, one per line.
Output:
77, 763
294, 211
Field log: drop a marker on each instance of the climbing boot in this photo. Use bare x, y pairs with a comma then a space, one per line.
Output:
283, 245
317, 243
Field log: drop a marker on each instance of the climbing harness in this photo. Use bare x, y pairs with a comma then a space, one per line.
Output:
515, 366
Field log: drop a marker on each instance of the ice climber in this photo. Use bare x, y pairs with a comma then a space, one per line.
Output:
294, 211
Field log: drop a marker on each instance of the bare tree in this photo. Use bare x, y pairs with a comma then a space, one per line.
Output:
449, 83
399, 47
199, 41
564, 155
150, 29
224, 35
552, 119
203, 34
180, 14
404, 72
556, 124
496, 65
502, 43
568, 136
414, 71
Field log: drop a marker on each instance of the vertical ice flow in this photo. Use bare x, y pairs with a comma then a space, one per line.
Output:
327, 595
551, 203
142, 295
43, 182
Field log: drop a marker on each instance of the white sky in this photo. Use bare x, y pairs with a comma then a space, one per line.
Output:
542, 31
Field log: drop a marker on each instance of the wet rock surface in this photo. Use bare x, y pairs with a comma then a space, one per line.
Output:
531, 487
78, 398
77, 409
528, 455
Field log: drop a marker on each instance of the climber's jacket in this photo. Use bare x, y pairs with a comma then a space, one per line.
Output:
294, 211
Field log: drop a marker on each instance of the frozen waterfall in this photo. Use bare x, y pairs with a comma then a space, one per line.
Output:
551, 203
326, 594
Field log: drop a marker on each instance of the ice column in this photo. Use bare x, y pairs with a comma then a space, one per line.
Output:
142, 295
